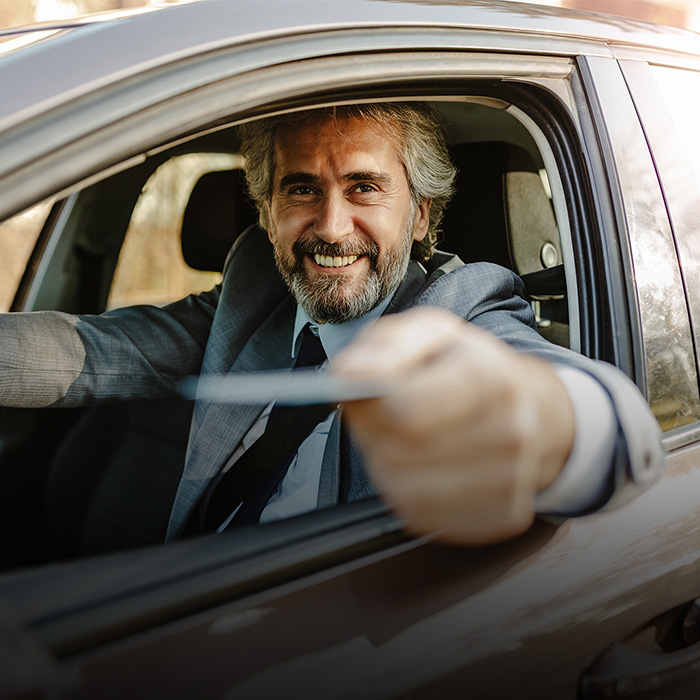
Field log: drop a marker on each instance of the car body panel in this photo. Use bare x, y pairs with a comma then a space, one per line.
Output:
218, 24
419, 616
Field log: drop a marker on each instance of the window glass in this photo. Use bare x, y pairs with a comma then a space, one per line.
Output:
151, 269
676, 145
681, 91
18, 236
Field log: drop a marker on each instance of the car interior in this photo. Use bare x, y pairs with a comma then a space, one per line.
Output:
103, 478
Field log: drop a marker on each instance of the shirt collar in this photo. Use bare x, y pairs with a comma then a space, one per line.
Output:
335, 336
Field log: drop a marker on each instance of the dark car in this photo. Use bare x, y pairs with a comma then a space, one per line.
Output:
579, 161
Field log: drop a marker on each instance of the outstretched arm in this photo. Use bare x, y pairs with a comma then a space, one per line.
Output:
476, 431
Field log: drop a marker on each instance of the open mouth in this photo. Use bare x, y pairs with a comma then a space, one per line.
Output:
334, 261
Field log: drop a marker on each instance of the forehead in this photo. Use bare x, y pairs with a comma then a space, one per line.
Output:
334, 140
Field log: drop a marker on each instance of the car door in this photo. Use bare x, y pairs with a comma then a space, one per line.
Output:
342, 603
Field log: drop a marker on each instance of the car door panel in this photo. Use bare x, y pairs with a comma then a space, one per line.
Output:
421, 615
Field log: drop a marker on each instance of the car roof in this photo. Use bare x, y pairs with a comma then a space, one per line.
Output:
124, 44
217, 20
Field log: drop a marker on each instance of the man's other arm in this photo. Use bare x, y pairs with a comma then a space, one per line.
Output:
49, 358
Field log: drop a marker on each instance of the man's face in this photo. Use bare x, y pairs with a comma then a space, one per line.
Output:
341, 219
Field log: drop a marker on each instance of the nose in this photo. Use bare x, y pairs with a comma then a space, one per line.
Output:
334, 218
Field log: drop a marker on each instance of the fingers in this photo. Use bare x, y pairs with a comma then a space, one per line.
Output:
398, 342
431, 503
466, 441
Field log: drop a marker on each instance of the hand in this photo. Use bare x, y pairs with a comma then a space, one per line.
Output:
474, 432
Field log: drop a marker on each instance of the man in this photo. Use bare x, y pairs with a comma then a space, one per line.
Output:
479, 436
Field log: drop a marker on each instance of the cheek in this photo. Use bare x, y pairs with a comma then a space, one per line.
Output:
387, 228
288, 224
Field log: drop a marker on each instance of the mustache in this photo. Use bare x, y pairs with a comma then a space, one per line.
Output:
315, 246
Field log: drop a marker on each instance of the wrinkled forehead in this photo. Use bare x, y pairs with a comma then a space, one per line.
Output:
348, 126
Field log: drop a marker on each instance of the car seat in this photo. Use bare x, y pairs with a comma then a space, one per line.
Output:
503, 214
113, 480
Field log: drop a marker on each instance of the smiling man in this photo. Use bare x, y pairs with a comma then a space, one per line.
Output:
489, 423
341, 216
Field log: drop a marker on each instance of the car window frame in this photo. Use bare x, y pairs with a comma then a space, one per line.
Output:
437, 75
632, 202
672, 166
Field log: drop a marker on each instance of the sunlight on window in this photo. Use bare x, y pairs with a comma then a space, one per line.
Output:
151, 269
681, 90
18, 236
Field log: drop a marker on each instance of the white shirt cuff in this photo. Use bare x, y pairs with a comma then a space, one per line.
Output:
585, 474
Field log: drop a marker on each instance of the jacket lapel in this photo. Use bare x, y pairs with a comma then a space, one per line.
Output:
251, 331
218, 428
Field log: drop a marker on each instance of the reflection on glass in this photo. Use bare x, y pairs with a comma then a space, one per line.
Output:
670, 361
681, 92
678, 161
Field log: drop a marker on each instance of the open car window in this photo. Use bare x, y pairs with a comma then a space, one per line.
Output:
161, 229
151, 267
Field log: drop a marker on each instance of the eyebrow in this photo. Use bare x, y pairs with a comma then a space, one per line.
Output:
371, 175
299, 178
303, 178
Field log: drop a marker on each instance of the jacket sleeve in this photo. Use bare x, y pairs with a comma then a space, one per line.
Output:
49, 358
493, 298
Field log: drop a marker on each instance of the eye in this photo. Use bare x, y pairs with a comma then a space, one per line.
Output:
365, 187
301, 190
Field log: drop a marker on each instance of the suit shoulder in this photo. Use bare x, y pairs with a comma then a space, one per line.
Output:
472, 286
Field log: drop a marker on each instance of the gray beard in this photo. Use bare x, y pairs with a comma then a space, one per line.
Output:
332, 299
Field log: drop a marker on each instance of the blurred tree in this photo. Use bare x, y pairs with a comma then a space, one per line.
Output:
84, 6
670, 12
14, 12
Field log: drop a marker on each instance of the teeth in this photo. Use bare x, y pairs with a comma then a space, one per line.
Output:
337, 261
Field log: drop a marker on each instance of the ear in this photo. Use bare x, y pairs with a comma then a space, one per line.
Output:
265, 222
421, 220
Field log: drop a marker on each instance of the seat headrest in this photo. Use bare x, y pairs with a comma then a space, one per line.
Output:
501, 212
533, 236
217, 212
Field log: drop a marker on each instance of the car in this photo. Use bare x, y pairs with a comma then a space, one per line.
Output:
576, 140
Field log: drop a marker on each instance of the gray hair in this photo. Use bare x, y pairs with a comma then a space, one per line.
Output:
418, 129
